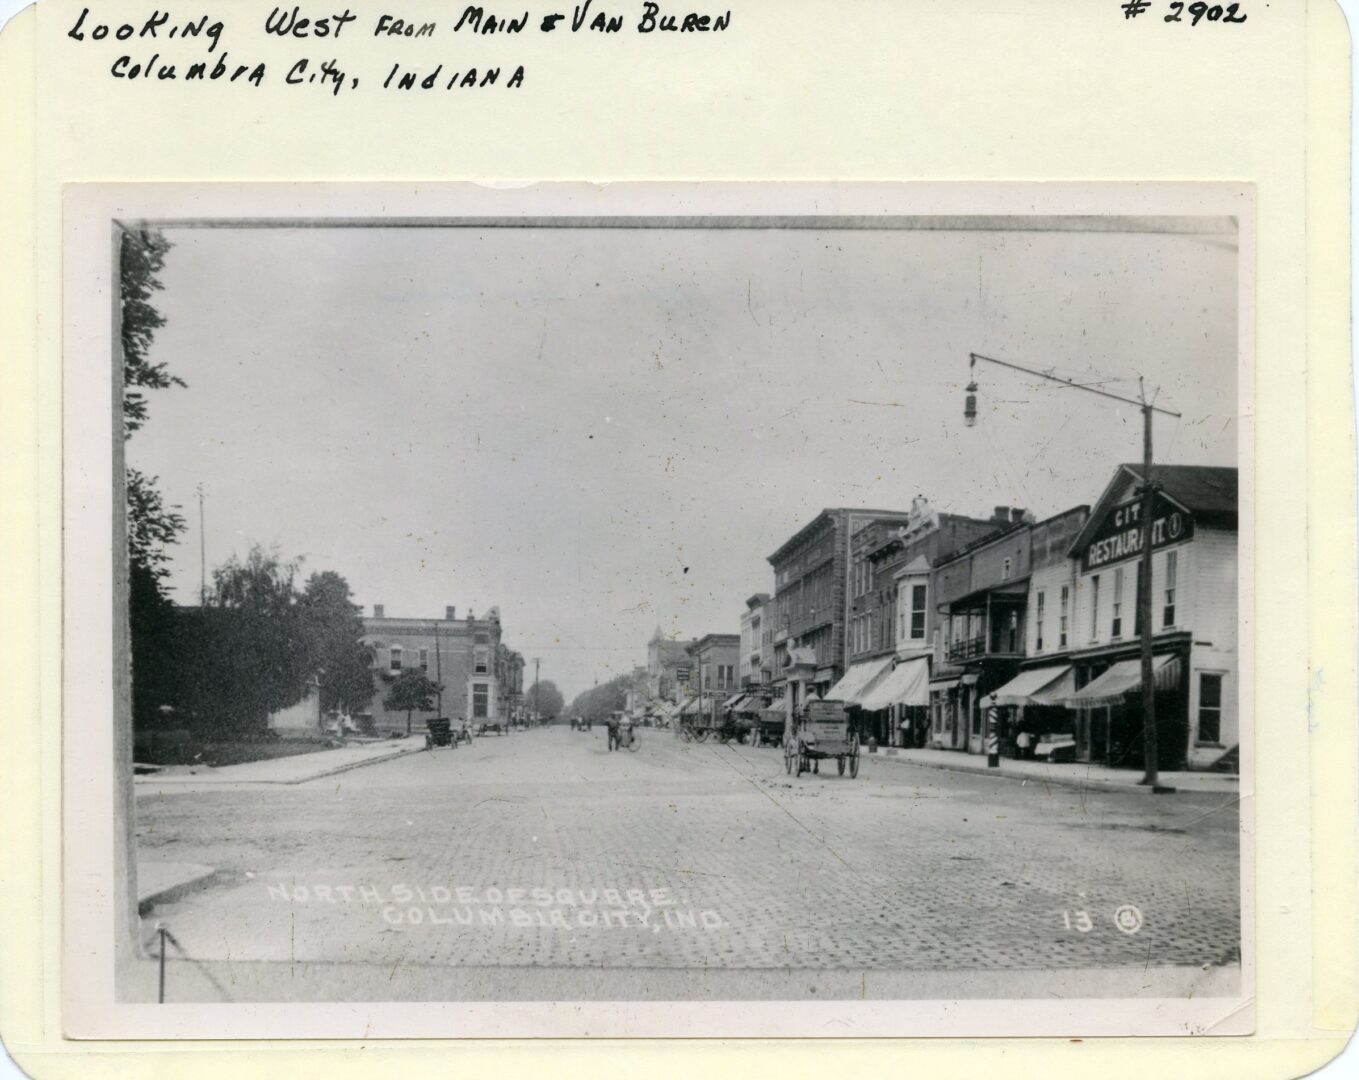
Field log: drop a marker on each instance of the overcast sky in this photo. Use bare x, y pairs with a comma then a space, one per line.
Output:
600, 431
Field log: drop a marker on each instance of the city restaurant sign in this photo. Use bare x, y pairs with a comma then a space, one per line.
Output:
1119, 536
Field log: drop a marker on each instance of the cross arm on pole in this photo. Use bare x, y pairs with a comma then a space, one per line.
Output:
1070, 383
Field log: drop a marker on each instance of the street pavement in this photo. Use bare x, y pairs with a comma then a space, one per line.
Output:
545, 862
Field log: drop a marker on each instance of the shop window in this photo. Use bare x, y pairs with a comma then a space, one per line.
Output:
481, 700
396, 658
1168, 606
1210, 708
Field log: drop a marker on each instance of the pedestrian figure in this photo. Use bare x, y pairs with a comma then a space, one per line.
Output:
1025, 743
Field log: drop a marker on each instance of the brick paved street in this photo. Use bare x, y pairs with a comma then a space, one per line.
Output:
542, 850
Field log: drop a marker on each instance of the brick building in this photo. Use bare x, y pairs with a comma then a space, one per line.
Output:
809, 607
482, 679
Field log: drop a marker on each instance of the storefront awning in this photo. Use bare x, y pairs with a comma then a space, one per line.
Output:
857, 680
1123, 678
907, 684
690, 708
943, 685
1038, 686
733, 701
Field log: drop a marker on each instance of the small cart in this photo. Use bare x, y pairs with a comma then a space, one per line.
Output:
823, 730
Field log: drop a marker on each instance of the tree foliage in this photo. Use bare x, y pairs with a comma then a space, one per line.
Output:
412, 690
152, 526
142, 257
246, 651
545, 699
332, 627
599, 701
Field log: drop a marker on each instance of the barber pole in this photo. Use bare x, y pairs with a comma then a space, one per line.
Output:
992, 736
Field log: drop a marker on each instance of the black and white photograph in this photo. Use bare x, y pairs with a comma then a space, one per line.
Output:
711, 609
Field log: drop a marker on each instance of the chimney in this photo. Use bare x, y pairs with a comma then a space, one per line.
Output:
378, 611
1001, 514
1017, 514
449, 613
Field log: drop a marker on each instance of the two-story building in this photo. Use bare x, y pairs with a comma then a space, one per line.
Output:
980, 594
715, 658
461, 655
1034, 700
1194, 618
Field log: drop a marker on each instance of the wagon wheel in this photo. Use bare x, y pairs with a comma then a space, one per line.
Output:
789, 752
854, 758
803, 761
632, 743
688, 735
701, 734
840, 762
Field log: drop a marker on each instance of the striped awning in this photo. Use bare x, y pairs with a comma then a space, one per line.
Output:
1124, 678
907, 684
733, 701
1038, 686
857, 680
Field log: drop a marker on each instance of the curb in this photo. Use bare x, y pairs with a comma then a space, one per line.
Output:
343, 768
191, 779
174, 890
1062, 781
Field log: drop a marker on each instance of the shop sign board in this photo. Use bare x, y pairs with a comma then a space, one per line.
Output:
1119, 536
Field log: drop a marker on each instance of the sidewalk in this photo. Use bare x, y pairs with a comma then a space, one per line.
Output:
1064, 774
296, 769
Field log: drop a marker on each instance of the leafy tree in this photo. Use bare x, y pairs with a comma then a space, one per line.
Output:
599, 701
412, 690
332, 628
142, 257
151, 525
545, 700
246, 653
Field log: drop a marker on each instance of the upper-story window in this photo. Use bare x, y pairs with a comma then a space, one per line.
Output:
424, 659
1064, 616
1094, 608
396, 658
1168, 605
919, 593
1117, 630
1005, 570
480, 662
1039, 603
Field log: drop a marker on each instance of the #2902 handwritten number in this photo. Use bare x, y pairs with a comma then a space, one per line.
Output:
1213, 13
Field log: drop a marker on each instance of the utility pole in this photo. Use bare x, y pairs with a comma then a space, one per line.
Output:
1148, 509
1149, 746
202, 554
